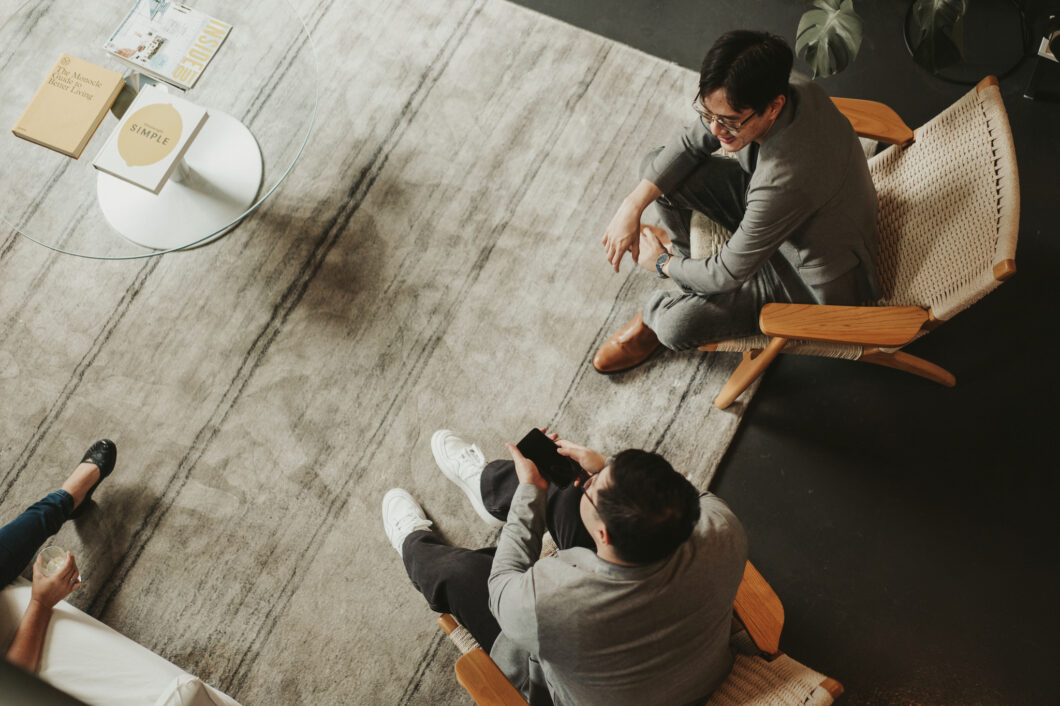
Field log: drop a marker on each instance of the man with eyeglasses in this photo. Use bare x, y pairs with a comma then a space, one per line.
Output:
634, 608
798, 200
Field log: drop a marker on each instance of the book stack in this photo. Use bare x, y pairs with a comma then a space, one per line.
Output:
69, 105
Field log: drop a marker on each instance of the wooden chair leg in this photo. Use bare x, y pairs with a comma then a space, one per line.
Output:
754, 364
900, 360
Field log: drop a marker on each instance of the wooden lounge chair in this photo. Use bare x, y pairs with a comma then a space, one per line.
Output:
947, 226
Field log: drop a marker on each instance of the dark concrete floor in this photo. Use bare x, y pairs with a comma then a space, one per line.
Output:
910, 529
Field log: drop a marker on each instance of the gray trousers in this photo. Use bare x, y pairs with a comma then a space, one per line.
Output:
683, 319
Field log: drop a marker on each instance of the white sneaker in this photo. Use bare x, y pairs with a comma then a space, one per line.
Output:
402, 516
463, 464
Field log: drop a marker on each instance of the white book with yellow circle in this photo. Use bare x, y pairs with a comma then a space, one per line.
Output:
151, 138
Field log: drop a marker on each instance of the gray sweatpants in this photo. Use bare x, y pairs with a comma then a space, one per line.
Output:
681, 318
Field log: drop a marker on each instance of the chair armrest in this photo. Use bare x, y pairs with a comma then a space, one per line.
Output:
865, 325
875, 120
477, 672
485, 682
760, 610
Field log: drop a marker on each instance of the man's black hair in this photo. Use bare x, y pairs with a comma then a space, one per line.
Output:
752, 67
649, 508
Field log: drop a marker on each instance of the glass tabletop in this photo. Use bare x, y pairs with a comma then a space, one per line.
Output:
263, 75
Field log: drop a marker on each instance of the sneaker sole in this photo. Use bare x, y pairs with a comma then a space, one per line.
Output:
438, 449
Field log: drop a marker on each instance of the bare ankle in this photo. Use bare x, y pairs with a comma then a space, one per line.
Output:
81, 481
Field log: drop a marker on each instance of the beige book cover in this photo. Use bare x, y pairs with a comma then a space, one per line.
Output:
69, 105
151, 139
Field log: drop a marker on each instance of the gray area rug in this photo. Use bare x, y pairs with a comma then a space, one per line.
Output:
433, 262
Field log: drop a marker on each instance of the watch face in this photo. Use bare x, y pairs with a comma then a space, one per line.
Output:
659, 262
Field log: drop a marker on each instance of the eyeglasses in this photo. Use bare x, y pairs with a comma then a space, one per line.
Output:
707, 118
585, 490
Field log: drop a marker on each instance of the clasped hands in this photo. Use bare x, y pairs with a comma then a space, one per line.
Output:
625, 233
590, 461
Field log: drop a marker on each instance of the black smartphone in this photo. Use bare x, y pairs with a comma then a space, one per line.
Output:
557, 469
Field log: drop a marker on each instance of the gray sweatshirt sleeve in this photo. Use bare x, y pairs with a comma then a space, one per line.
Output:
511, 583
775, 210
681, 155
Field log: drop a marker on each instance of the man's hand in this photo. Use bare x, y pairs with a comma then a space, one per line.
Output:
650, 248
590, 461
49, 590
621, 234
525, 469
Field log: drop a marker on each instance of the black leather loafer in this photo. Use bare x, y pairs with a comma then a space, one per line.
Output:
103, 453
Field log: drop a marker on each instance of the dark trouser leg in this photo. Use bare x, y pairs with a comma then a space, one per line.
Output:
453, 580
563, 517
717, 189
22, 537
685, 320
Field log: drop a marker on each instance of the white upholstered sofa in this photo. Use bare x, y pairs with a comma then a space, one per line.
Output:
98, 665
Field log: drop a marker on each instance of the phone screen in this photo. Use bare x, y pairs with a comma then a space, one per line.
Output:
557, 469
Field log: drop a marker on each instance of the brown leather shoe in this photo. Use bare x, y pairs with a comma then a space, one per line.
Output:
631, 346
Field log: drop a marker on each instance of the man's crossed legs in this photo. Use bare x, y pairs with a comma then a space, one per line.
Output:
682, 319
455, 580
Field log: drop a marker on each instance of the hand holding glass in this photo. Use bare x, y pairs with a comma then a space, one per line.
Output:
52, 559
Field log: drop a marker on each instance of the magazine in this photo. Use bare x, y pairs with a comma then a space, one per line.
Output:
168, 41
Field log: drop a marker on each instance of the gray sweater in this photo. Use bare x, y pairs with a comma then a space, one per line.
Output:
811, 204
584, 631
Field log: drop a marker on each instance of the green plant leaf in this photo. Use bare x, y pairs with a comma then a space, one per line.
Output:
938, 33
829, 36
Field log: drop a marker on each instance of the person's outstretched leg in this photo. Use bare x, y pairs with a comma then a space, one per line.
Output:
21, 538
452, 579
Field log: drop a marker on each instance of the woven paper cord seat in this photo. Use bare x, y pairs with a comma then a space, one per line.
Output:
780, 682
947, 227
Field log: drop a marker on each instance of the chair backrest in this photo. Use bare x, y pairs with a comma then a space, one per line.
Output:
949, 207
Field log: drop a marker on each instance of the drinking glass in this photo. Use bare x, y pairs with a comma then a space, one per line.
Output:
52, 559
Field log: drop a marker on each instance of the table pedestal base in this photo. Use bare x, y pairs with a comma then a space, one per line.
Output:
208, 194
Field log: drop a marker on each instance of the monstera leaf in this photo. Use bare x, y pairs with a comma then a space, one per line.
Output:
938, 33
829, 36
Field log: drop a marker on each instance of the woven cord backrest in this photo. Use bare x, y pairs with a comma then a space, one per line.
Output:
949, 207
